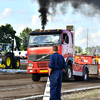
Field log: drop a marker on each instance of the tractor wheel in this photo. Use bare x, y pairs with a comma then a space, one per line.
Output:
16, 64
7, 61
36, 77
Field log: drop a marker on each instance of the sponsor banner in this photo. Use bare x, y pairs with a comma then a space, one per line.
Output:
23, 61
77, 67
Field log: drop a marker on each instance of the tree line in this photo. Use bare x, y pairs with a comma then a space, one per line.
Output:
7, 34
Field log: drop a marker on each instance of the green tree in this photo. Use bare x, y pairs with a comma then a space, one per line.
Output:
87, 50
24, 33
7, 33
78, 49
37, 30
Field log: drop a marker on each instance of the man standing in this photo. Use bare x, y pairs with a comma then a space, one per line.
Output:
56, 65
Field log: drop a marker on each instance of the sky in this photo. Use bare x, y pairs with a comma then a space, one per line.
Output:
24, 13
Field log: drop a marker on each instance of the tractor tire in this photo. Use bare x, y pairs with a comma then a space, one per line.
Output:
16, 64
7, 61
36, 77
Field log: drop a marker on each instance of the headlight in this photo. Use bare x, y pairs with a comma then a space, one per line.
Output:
29, 67
30, 64
30, 70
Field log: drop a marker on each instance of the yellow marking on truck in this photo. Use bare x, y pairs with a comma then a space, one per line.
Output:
41, 71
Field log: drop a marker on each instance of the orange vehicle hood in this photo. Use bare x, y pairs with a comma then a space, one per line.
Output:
41, 50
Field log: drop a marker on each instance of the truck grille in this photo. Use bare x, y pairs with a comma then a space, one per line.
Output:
42, 65
43, 57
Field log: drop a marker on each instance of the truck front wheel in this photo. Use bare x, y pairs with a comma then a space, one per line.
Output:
68, 74
69, 71
35, 77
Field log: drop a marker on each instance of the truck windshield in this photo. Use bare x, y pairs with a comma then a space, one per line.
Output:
45, 39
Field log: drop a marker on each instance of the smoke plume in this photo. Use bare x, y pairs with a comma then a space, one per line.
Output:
78, 5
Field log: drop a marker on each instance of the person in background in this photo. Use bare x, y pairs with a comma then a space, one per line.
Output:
56, 65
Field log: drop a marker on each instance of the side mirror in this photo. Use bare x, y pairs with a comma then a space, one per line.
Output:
24, 42
66, 39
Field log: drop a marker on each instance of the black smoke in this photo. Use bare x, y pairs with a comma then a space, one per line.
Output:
78, 5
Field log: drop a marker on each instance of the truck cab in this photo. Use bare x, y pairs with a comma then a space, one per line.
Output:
39, 49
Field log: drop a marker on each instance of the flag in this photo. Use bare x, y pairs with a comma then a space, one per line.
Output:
94, 51
15, 46
14, 43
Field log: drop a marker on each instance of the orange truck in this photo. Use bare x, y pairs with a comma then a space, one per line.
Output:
39, 49
85, 66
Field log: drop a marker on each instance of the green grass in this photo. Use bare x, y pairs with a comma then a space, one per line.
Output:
88, 95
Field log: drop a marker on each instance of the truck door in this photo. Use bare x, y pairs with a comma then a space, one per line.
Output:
66, 44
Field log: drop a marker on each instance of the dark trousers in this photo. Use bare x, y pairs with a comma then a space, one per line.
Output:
55, 85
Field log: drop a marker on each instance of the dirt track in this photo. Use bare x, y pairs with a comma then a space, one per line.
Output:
20, 85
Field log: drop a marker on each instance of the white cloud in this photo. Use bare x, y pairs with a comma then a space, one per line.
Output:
83, 41
7, 11
22, 11
94, 35
94, 39
34, 19
20, 28
49, 18
2, 24
79, 31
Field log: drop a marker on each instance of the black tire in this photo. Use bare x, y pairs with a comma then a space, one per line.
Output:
85, 76
35, 77
16, 64
7, 61
68, 74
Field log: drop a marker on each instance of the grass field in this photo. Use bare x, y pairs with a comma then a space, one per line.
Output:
85, 95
